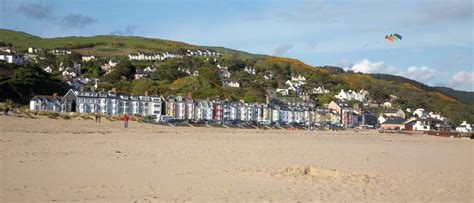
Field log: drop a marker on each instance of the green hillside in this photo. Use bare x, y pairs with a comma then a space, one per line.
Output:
465, 96
103, 45
168, 80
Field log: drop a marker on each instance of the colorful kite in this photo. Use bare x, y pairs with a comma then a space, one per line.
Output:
393, 37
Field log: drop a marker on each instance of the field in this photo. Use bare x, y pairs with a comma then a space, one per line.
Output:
79, 160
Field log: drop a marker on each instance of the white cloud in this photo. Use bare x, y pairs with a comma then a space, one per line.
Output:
463, 80
421, 74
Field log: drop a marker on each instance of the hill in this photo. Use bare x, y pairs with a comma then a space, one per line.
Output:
168, 79
465, 96
104, 45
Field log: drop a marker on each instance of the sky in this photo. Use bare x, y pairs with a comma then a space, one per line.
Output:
436, 49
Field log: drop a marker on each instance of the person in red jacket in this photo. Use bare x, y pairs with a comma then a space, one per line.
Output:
125, 120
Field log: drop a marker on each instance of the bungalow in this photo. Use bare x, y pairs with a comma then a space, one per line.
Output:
464, 127
393, 123
429, 124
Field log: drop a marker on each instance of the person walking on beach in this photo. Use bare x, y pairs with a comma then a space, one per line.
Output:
5, 113
125, 120
97, 118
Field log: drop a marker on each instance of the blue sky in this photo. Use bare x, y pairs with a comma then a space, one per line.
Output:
437, 45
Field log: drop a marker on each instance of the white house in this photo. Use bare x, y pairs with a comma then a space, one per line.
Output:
320, 90
250, 70
268, 75
299, 78
60, 52
111, 103
283, 91
12, 57
420, 113
352, 95
48, 69
230, 83
47, 103
150, 69
113, 62
32, 50
464, 127
88, 58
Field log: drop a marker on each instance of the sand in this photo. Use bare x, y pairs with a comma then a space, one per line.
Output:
75, 160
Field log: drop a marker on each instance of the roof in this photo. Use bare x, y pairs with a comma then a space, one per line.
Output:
47, 97
341, 103
391, 110
394, 120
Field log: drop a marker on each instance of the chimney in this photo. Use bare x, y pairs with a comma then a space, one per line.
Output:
114, 90
146, 93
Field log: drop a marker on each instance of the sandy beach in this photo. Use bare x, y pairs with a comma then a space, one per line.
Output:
76, 160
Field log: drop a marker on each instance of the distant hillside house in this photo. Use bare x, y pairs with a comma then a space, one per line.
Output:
250, 70
268, 75
141, 74
32, 50
12, 57
6, 49
88, 58
352, 95
48, 69
201, 52
320, 90
150, 69
230, 83
58, 52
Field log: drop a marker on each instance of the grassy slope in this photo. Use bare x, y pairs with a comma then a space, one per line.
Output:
465, 96
105, 45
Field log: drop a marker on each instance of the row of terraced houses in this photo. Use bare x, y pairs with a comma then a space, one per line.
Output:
186, 108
